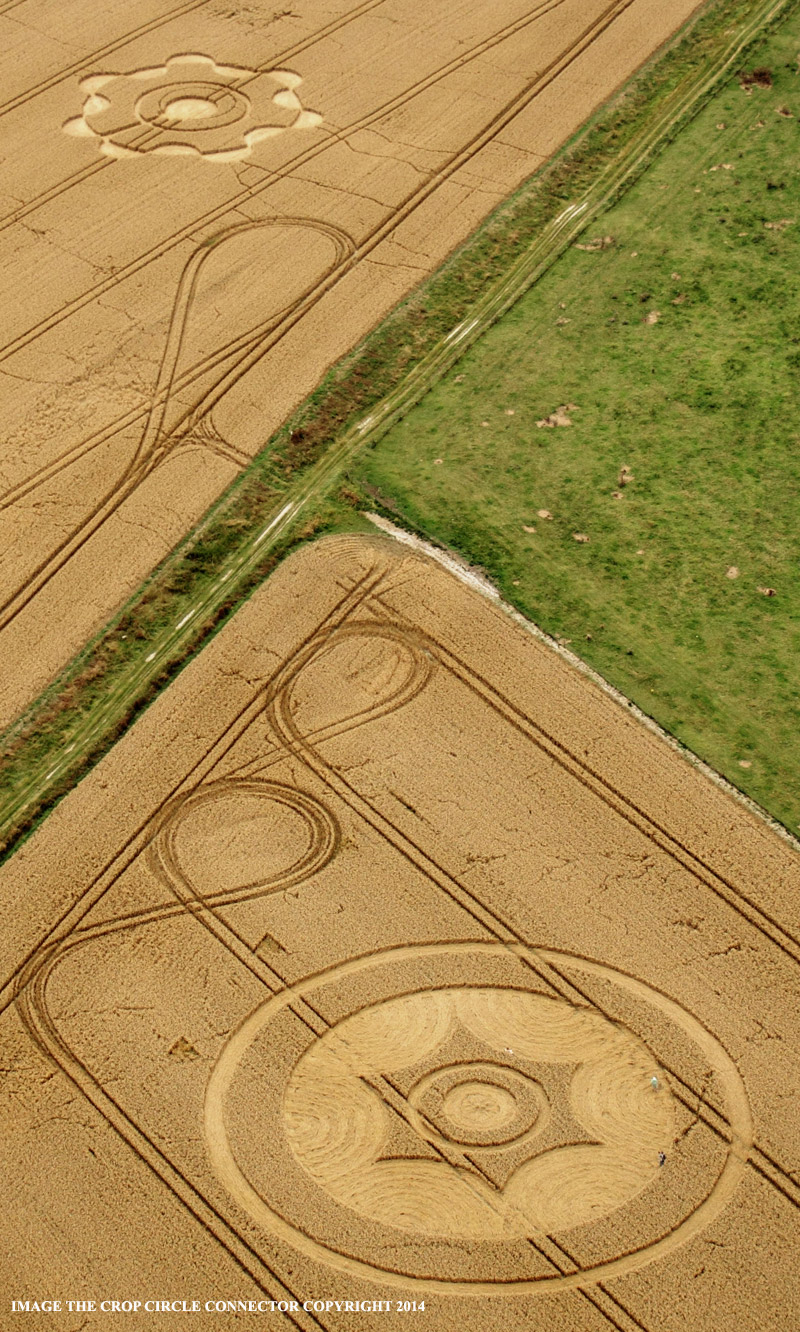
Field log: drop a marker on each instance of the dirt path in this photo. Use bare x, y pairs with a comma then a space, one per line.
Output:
386, 957
174, 287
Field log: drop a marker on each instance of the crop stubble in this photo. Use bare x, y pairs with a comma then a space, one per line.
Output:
387, 955
166, 313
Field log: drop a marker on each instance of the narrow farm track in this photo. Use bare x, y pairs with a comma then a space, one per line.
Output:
175, 641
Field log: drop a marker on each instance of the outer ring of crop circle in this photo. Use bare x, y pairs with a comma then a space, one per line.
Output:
237, 1184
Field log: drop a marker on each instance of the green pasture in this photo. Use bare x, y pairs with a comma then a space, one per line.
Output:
701, 403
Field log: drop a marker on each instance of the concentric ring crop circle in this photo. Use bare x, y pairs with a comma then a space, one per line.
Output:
227, 1169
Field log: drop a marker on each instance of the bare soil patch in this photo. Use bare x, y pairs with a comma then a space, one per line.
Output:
755, 78
560, 417
599, 243
387, 956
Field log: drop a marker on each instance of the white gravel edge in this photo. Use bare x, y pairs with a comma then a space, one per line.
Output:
466, 573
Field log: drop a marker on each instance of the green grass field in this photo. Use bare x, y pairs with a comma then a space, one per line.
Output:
700, 403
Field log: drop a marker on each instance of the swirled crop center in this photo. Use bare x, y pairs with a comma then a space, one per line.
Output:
190, 108
476, 1105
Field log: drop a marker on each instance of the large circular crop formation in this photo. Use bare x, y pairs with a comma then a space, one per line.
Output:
430, 1116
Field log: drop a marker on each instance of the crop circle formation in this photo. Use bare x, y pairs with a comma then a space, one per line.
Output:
189, 107
478, 1114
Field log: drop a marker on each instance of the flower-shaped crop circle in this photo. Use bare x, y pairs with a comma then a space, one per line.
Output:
189, 106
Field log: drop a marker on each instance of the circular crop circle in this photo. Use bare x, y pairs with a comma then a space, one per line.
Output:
341, 1134
192, 105
190, 108
386, 1068
478, 1107
486, 1105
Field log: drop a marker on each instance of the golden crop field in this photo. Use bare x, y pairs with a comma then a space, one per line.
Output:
203, 208
387, 957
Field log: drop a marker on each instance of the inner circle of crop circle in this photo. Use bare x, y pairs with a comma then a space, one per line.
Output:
192, 105
190, 108
339, 1124
479, 1106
